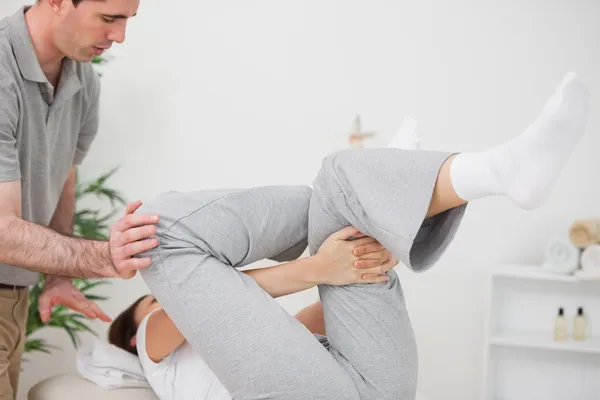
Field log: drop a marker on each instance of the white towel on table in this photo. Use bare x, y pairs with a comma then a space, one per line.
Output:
561, 256
590, 262
110, 367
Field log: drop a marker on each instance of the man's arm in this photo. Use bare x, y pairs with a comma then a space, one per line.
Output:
63, 219
41, 249
37, 248
60, 289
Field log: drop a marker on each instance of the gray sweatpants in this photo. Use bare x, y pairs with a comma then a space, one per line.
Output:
258, 350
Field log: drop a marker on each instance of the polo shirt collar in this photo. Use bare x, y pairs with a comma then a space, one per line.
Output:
23, 48
29, 64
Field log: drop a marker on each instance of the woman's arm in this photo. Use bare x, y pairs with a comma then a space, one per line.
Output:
338, 262
162, 336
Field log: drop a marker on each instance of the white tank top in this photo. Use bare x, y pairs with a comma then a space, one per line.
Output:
183, 375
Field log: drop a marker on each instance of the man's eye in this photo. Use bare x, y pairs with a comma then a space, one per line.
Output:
108, 20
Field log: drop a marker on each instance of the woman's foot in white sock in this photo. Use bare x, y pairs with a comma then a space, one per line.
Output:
526, 168
408, 136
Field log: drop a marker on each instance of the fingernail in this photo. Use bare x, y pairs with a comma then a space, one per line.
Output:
154, 218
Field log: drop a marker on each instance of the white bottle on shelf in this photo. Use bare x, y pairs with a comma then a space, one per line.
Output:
579, 325
560, 326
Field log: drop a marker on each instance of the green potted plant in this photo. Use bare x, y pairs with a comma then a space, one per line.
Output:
90, 224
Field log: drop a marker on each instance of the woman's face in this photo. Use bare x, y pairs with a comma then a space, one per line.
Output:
144, 307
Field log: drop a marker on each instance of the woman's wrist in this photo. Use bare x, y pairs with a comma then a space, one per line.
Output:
313, 273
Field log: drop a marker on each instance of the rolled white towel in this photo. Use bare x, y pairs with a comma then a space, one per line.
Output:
590, 262
561, 256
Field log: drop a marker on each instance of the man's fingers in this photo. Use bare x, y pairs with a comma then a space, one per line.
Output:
135, 220
98, 311
127, 269
132, 249
77, 301
135, 234
44, 307
131, 207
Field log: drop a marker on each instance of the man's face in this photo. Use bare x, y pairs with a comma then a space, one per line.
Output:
89, 29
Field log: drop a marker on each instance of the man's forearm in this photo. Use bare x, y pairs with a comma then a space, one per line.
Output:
50, 250
40, 249
64, 215
292, 277
63, 219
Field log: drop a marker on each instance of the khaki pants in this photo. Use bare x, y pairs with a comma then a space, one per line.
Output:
14, 305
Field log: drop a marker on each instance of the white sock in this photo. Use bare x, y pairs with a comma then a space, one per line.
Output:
526, 168
408, 136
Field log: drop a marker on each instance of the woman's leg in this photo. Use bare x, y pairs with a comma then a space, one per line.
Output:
408, 201
525, 168
312, 318
255, 348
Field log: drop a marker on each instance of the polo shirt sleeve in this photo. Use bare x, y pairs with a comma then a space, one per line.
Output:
89, 127
9, 155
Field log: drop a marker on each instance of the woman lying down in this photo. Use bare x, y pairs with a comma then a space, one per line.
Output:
409, 202
175, 371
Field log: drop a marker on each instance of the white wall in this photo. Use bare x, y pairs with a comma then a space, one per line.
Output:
236, 93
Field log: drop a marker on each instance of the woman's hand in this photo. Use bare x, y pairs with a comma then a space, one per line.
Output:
343, 262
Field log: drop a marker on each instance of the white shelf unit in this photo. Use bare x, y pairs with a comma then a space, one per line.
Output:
522, 360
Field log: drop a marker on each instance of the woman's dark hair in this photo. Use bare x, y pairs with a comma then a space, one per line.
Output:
123, 328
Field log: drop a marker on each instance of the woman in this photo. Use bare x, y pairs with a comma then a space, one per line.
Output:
411, 202
175, 371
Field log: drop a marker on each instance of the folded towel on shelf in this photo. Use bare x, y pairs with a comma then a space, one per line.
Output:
590, 262
585, 232
109, 366
561, 256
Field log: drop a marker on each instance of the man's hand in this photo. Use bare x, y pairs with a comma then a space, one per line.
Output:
362, 260
129, 237
60, 290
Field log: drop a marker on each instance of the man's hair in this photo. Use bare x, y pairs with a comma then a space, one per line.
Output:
123, 328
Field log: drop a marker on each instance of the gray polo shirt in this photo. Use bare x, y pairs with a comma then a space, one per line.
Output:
43, 131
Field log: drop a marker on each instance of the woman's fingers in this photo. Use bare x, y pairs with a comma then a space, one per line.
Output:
370, 274
382, 255
372, 278
361, 264
368, 247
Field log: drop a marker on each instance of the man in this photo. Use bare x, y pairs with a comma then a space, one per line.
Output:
49, 97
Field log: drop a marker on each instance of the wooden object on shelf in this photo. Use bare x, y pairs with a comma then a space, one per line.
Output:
357, 137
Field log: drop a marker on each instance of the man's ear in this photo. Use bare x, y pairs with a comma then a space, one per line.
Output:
56, 5
133, 341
